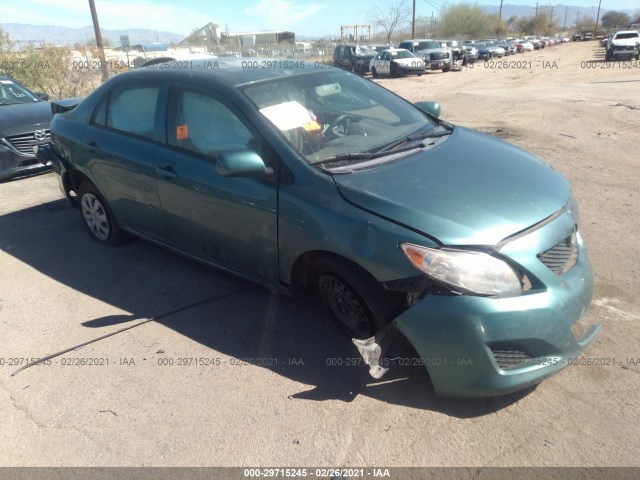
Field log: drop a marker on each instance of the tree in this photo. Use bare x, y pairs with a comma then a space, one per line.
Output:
585, 24
535, 25
6, 44
614, 19
467, 20
390, 16
49, 69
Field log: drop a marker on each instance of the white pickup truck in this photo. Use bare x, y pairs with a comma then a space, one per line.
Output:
625, 43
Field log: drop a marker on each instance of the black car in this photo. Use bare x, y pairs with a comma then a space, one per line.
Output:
353, 57
24, 123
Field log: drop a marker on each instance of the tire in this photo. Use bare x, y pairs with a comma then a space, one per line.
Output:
355, 300
374, 72
446, 68
607, 56
98, 217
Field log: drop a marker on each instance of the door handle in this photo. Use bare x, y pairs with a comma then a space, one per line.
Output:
167, 171
93, 146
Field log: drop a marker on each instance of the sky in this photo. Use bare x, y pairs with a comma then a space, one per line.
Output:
305, 17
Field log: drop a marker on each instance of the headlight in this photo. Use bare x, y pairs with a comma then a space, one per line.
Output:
470, 270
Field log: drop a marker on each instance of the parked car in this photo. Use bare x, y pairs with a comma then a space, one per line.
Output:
588, 36
435, 54
506, 45
353, 57
472, 53
577, 37
395, 62
24, 123
458, 51
303, 178
623, 44
488, 51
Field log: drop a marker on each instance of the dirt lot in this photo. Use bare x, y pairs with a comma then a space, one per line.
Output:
133, 408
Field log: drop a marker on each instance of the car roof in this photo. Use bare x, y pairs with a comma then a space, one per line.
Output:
626, 31
233, 71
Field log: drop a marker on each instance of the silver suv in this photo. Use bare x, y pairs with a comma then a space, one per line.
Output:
436, 54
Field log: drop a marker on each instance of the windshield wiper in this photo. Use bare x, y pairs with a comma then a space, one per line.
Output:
440, 131
346, 157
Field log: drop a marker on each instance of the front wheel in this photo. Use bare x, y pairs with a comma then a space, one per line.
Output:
374, 72
97, 216
355, 300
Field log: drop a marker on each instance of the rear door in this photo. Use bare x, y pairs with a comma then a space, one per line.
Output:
230, 221
122, 142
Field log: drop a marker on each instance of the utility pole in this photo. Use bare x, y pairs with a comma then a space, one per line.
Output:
499, 18
551, 17
597, 18
96, 28
413, 21
577, 16
564, 25
536, 9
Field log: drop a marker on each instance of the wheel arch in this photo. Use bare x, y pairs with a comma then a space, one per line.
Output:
301, 276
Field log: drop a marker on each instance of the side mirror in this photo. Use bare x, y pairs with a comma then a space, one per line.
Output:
42, 95
243, 163
432, 108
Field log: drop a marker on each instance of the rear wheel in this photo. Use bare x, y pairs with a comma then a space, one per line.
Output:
97, 216
354, 299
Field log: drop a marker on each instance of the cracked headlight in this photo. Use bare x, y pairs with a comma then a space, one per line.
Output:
472, 271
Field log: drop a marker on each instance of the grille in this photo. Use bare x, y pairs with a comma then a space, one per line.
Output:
561, 258
510, 355
24, 142
439, 56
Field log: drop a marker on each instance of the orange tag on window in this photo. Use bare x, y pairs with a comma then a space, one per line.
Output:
182, 132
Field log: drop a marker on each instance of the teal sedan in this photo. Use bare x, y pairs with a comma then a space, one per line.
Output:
301, 177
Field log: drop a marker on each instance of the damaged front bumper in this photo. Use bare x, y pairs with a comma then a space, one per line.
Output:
474, 346
13, 164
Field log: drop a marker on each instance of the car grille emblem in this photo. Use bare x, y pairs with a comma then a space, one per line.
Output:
40, 135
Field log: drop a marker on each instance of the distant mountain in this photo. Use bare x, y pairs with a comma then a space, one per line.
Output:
70, 36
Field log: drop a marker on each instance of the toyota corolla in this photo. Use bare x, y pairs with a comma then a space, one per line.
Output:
299, 176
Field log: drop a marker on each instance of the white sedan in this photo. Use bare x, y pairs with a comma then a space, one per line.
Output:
396, 61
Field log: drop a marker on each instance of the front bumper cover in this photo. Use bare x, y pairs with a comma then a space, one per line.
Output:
14, 165
466, 342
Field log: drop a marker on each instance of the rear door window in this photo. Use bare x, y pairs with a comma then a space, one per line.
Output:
132, 110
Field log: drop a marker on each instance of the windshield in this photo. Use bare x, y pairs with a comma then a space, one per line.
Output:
624, 36
365, 50
332, 113
402, 54
12, 93
428, 45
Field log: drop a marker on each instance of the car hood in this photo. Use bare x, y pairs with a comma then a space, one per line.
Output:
24, 117
470, 189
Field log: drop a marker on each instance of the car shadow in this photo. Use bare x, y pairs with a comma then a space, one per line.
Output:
292, 337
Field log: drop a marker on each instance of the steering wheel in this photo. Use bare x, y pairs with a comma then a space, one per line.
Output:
339, 127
